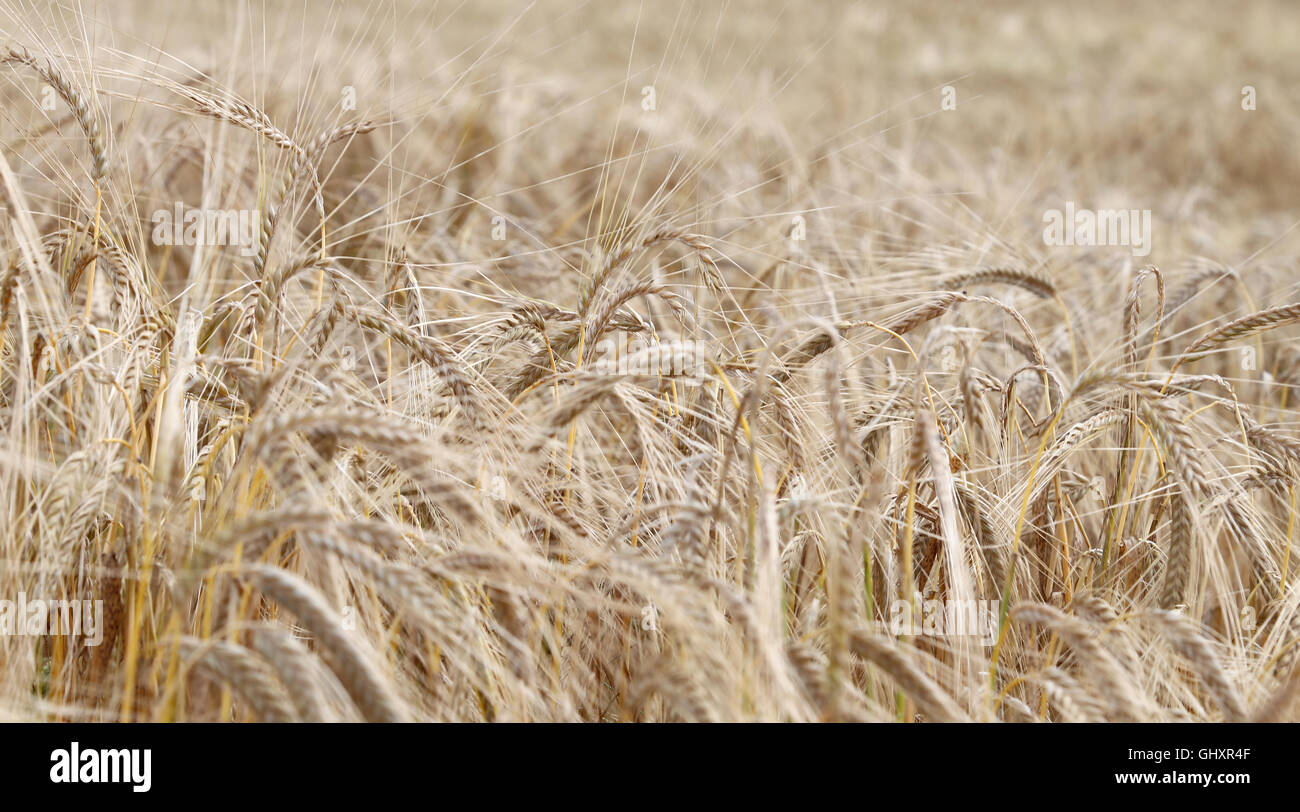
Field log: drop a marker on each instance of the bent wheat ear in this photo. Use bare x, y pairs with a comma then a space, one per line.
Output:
1033, 283
932, 700
436, 354
1199, 652
355, 667
929, 311
298, 669
241, 114
1096, 662
1241, 328
1074, 701
81, 109
617, 259
247, 674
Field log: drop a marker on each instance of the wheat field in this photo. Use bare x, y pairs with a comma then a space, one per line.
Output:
404, 361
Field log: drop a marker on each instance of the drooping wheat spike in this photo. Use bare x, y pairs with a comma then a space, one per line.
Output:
404, 587
355, 667
434, 352
271, 285
305, 160
1094, 660
81, 108
679, 688
618, 258
1240, 328
987, 542
810, 664
310, 158
586, 394
921, 314
1072, 699
1095, 607
812, 347
1182, 453
1133, 309
601, 317
1015, 710
246, 673
298, 670
1033, 283
973, 385
787, 422
931, 699
1189, 642
241, 114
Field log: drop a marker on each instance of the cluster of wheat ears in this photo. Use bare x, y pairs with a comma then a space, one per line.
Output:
377, 470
